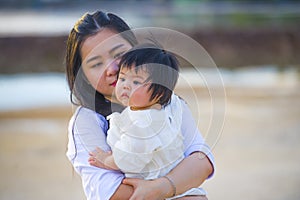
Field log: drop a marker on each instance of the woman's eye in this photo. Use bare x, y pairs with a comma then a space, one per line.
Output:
97, 65
118, 55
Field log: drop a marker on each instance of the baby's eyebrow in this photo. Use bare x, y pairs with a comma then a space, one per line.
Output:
140, 77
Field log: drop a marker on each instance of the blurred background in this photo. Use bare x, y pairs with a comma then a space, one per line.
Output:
255, 44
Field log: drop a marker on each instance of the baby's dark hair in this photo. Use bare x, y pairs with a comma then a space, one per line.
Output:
161, 65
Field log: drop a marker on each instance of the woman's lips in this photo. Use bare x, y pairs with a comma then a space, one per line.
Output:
114, 83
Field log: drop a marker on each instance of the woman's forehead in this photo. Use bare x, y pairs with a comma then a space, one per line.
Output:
105, 41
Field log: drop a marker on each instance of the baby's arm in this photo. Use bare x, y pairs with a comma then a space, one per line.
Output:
102, 159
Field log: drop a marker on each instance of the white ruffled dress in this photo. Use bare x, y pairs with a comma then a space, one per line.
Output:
148, 143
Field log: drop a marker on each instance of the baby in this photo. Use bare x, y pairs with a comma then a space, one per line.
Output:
145, 138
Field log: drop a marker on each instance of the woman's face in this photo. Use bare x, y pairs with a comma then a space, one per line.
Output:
100, 59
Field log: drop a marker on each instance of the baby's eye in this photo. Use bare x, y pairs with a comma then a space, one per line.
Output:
137, 82
121, 79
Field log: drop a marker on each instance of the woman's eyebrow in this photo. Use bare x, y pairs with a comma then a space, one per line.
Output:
93, 58
115, 48
110, 51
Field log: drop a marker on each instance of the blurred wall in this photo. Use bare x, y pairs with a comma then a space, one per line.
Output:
235, 33
228, 48
32, 54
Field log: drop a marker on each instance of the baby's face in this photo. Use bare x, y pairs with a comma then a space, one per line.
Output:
132, 87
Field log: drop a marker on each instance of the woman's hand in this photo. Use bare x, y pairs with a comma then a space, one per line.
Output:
157, 189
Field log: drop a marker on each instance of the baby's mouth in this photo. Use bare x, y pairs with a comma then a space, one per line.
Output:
125, 95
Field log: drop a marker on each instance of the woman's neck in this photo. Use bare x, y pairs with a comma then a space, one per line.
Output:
112, 99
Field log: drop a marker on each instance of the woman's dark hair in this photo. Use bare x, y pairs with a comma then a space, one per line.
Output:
161, 65
88, 25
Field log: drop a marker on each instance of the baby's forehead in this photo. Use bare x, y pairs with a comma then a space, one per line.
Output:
137, 69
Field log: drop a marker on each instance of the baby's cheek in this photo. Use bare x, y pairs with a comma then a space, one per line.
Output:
139, 98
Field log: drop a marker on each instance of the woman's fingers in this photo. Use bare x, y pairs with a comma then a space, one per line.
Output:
131, 181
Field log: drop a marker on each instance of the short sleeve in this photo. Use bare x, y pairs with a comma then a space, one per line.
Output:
86, 132
193, 139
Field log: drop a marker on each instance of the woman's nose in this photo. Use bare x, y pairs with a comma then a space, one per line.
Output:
112, 68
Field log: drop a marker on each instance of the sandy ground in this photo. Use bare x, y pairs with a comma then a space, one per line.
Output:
257, 154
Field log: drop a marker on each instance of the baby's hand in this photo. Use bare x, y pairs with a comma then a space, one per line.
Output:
97, 158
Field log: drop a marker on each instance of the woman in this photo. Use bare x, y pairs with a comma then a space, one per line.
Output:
92, 74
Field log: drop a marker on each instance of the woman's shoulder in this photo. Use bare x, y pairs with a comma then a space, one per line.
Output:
176, 105
181, 101
83, 114
178, 99
83, 111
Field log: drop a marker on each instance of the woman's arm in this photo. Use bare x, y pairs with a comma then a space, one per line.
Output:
123, 192
191, 172
86, 132
199, 162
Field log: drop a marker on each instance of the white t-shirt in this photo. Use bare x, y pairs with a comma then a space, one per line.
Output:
87, 130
